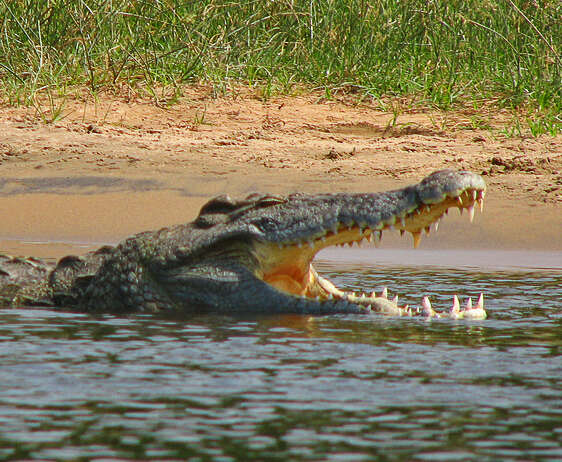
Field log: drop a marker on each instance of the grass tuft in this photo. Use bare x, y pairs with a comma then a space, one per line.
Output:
445, 52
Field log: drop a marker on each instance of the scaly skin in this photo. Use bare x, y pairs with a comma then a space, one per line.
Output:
250, 255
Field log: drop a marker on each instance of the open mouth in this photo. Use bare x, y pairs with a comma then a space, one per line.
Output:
287, 266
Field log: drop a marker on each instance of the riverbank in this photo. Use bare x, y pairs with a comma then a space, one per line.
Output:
115, 166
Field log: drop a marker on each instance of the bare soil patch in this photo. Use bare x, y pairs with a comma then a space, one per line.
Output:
116, 155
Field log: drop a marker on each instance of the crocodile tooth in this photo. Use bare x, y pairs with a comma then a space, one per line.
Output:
436, 226
474, 194
459, 200
403, 222
468, 304
384, 293
471, 213
456, 308
481, 203
480, 304
417, 238
395, 300
427, 308
373, 294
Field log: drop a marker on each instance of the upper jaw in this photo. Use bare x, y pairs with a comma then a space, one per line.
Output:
340, 219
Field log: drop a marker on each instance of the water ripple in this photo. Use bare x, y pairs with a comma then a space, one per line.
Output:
293, 387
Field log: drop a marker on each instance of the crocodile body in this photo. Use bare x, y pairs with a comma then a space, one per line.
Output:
248, 255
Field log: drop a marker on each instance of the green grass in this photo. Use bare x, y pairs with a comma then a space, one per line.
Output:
445, 53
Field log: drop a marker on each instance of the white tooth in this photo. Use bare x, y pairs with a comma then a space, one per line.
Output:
395, 300
456, 305
459, 200
384, 293
481, 203
480, 304
373, 294
471, 213
403, 222
468, 304
436, 226
474, 194
427, 308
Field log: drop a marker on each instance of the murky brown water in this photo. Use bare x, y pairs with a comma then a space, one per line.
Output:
296, 388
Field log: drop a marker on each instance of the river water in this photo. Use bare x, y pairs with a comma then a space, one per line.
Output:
347, 388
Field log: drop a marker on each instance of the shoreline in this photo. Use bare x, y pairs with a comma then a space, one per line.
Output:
140, 167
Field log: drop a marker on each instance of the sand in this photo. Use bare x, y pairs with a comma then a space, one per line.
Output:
118, 165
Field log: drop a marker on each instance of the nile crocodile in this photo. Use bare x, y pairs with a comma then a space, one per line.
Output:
248, 255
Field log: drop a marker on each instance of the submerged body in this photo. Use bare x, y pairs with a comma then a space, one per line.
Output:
249, 255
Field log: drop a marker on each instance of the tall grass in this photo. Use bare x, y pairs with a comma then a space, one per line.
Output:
444, 52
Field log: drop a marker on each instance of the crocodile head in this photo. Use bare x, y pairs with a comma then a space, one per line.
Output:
256, 254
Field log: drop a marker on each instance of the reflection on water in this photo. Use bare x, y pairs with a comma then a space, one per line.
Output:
294, 388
